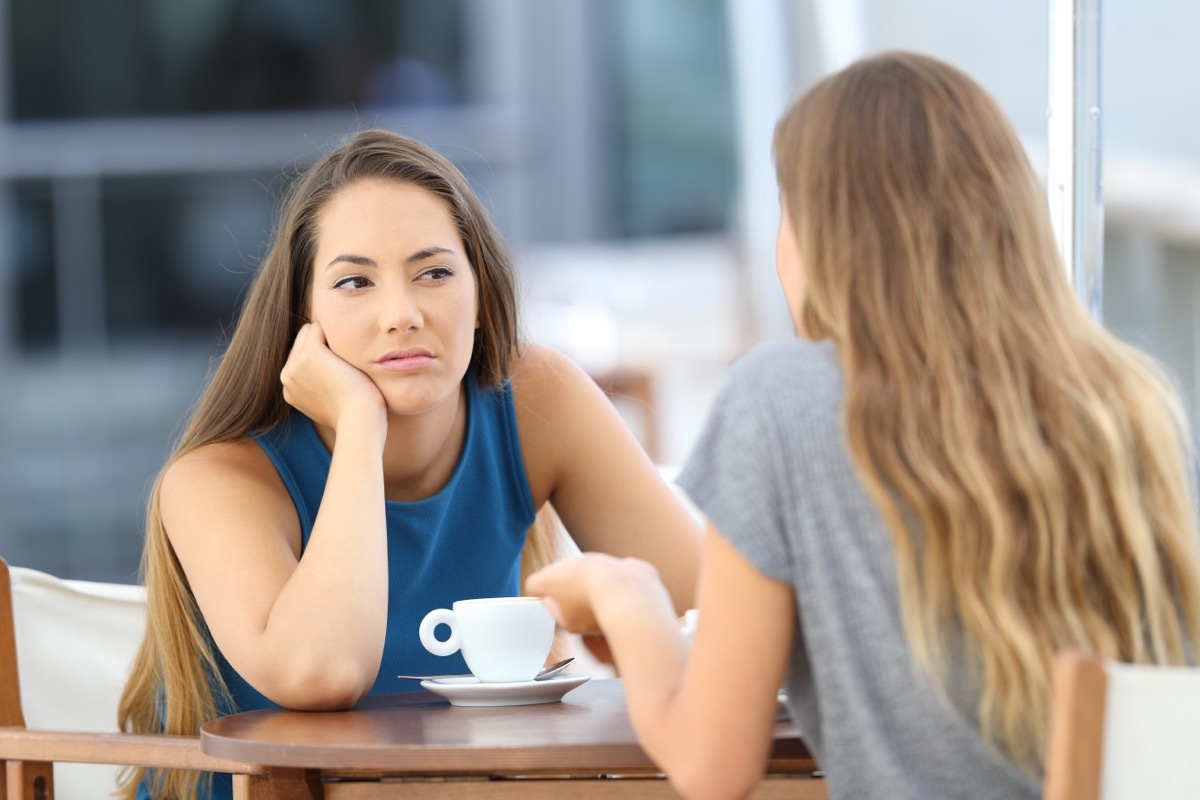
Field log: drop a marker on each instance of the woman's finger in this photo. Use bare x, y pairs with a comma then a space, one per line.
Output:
555, 610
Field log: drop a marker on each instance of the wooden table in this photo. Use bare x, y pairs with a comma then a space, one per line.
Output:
416, 745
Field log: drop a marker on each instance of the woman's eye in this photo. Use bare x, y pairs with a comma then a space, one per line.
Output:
437, 274
352, 282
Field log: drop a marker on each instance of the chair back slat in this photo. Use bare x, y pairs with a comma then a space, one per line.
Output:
1122, 731
10, 686
1075, 739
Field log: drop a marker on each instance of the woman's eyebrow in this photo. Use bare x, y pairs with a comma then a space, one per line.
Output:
428, 252
365, 261
352, 258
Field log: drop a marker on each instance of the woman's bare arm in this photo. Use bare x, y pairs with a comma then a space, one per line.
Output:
306, 632
580, 455
705, 718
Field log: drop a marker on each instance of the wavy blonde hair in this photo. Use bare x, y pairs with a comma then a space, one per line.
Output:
175, 685
1032, 469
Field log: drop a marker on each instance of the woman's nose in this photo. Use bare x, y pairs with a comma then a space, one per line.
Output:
400, 311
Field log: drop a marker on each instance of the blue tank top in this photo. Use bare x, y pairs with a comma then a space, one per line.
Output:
463, 542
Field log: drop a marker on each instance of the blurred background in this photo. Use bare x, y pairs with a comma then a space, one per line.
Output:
622, 145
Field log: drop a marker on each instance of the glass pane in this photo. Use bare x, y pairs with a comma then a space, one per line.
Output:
33, 254
674, 130
177, 253
81, 58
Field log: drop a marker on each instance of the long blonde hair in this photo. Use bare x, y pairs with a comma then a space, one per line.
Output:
1032, 469
175, 685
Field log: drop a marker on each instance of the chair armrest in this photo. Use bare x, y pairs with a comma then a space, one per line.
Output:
127, 749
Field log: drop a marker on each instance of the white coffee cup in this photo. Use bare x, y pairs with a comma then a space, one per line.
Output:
502, 639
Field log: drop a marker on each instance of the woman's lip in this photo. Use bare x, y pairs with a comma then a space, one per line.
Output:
405, 363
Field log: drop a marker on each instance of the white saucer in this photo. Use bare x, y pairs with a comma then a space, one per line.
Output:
470, 692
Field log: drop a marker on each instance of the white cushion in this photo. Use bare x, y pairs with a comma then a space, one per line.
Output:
75, 644
1151, 733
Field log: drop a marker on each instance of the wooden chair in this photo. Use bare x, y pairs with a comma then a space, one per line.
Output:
1122, 731
28, 756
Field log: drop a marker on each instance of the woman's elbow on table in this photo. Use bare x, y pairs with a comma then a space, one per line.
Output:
704, 775
321, 685
706, 783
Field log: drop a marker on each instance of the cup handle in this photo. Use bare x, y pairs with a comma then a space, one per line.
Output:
440, 616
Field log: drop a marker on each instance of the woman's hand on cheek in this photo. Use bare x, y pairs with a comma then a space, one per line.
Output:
323, 386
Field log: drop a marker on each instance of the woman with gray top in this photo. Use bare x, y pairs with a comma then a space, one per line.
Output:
954, 473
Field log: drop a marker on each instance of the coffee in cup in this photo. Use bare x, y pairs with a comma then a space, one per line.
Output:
502, 639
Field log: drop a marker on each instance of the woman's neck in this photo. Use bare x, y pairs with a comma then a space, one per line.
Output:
422, 451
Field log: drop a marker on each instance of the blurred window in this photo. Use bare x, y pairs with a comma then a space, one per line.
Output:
674, 137
118, 58
134, 219
35, 285
174, 253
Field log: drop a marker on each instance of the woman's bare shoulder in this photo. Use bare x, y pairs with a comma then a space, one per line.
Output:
219, 469
543, 374
238, 454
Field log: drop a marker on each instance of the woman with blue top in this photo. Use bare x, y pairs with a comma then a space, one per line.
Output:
953, 473
375, 443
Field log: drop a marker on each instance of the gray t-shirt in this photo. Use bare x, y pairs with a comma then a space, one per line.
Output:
772, 472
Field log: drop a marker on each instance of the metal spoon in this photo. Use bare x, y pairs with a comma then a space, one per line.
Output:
548, 671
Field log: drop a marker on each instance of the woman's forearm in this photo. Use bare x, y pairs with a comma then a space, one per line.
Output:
331, 615
638, 618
